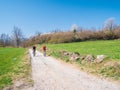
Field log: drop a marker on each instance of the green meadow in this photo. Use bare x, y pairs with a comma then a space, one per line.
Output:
110, 48
10, 65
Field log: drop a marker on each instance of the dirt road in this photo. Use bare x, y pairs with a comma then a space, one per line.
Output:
50, 74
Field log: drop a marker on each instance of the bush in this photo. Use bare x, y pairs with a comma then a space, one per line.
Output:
71, 36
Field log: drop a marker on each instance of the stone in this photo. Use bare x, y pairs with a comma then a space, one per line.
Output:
74, 58
89, 58
77, 53
100, 58
82, 57
77, 58
65, 53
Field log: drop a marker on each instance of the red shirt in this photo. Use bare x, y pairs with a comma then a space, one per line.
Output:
44, 48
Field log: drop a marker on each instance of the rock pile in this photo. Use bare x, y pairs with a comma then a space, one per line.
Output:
76, 56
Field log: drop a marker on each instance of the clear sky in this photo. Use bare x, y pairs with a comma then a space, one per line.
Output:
47, 15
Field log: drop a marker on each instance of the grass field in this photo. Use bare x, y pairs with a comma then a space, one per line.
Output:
11, 65
110, 48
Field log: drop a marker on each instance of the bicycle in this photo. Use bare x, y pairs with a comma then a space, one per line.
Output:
34, 50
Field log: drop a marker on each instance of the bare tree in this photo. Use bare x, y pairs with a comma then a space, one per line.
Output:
0, 43
5, 40
110, 24
17, 36
2, 39
109, 28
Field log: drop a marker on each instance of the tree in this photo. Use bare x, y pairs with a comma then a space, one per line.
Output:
17, 36
74, 29
5, 40
110, 24
109, 28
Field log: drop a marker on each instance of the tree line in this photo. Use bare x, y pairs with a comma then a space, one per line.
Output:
74, 36
110, 31
15, 40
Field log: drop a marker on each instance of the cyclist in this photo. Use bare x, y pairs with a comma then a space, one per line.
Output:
34, 50
44, 50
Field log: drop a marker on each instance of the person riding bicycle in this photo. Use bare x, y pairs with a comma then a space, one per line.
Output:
34, 50
44, 50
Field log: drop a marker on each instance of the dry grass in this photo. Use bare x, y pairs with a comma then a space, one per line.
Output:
25, 71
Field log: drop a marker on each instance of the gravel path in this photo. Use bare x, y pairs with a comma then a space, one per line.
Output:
50, 74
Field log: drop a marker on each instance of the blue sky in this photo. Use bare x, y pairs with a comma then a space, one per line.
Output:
47, 15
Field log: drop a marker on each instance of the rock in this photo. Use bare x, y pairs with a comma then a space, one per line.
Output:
77, 53
82, 57
100, 58
65, 53
89, 58
72, 58
75, 56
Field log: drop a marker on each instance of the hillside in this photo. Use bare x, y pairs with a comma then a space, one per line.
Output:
110, 48
109, 67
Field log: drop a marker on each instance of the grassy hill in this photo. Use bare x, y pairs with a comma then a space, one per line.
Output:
12, 65
110, 67
110, 48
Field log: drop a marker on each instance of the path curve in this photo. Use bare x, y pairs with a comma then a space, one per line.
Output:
50, 74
